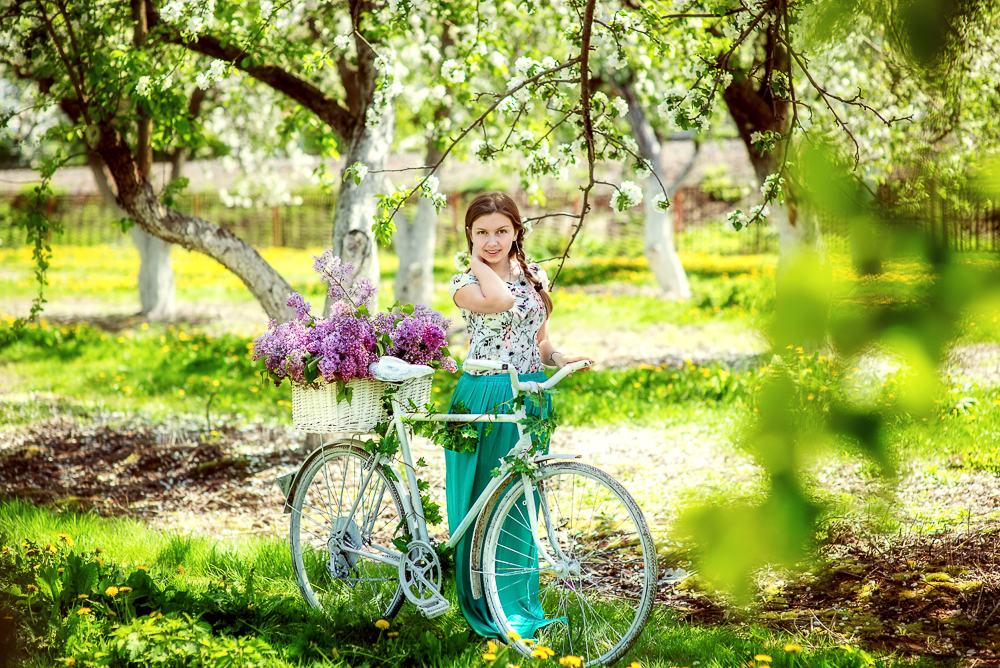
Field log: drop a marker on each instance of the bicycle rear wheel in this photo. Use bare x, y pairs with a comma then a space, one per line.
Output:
597, 607
358, 586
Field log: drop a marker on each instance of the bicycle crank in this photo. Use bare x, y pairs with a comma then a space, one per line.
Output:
420, 578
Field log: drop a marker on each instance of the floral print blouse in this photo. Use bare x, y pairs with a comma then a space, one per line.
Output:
508, 337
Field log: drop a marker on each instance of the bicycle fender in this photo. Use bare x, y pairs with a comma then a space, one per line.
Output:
478, 533
545, 458
289, 482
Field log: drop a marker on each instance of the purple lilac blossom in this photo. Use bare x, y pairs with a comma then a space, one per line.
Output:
340, 278
301, 306
346, 341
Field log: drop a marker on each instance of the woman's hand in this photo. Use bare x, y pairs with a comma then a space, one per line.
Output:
562, 360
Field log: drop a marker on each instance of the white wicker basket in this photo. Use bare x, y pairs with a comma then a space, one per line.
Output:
315, 408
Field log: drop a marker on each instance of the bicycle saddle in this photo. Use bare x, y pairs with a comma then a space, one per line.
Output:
394, 370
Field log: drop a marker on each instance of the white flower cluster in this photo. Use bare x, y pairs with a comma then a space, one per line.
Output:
341, 41
737, 220
620, 105
389, 86
462, 260
193, 13
215, 72
627, 196
358, 171
266, 8
740, 22
430, 190
528, 228
452, 71
660, 202
483, 149
773, 188
142, 86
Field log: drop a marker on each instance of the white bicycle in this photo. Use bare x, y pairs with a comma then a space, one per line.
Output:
360, 544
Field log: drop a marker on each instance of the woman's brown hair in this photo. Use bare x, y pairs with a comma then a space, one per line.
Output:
497, 202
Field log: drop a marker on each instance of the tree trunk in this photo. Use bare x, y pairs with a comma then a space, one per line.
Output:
414, 242
137, 198
658, 231
353, 239
156, 274
760, 110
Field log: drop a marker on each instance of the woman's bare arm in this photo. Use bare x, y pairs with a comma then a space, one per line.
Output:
490, 295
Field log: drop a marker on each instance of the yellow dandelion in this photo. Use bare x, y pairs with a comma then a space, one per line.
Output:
180, 570
393, 634
793, 647
111, 591
491, 647
33, 589
542, 652
51, 548
762, 657
382, 624
84, 596
83, 611
65, 538
489, 657
635, 664
572, 661
513, 635
124, 589
70, 661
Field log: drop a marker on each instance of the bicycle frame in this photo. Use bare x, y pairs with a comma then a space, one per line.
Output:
415, 520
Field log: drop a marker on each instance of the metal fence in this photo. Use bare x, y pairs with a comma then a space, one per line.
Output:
697, 216
88, 220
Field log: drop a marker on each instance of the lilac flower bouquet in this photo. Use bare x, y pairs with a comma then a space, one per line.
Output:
340, 347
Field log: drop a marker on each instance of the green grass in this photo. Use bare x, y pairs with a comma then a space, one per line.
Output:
242, 596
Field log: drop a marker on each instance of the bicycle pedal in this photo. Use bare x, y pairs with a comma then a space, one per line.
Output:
435, 608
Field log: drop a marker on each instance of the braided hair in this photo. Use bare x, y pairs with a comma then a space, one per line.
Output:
497, 202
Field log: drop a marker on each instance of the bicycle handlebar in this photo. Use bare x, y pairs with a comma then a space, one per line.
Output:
528, 385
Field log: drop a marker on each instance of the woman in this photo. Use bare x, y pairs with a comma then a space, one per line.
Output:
505, 304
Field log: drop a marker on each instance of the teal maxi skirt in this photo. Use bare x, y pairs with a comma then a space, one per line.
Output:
467, 475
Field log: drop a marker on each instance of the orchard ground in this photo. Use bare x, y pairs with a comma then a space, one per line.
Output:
168, 423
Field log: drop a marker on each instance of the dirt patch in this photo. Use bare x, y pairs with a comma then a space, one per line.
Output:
920, 595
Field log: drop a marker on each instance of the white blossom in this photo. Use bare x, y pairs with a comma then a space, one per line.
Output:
195, 24
342, 41
497, 59
660, 202
627, 196
166, 82
462, 260
548, 62
510, 105
203, 80
266, 8
218, 68
523, 66
452, 71
620, 105
527, 227
172, 10
736, 220
142, 86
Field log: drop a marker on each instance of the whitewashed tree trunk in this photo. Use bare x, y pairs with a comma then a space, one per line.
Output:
156, 273
414, 241
353, 239
658, 231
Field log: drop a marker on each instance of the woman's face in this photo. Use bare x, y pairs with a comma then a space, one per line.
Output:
492, 238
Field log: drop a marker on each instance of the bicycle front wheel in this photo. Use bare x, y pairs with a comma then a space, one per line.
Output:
341, 558
595, 602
